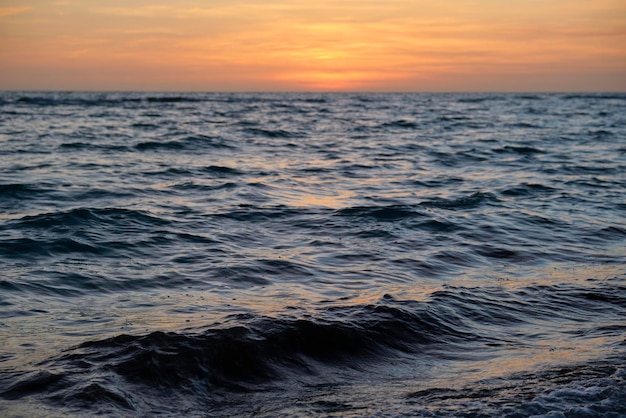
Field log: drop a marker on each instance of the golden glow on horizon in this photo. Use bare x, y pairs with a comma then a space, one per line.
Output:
281, 45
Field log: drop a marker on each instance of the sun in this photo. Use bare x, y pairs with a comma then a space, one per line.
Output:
316, 80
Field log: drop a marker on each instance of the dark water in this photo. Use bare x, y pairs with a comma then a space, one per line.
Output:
312, 255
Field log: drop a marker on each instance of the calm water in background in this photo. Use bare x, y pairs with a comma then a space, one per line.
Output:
304, 254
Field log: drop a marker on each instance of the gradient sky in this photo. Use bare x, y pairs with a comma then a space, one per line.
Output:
313, 45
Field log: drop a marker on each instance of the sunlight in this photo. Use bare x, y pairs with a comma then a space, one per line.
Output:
334, 80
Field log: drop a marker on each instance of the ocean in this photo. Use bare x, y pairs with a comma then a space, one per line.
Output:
297, 255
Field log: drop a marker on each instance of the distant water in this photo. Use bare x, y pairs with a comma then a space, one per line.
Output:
312, 255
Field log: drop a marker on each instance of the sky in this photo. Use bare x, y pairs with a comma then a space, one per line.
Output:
313, 45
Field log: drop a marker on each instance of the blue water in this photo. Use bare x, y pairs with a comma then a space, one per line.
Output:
312, 254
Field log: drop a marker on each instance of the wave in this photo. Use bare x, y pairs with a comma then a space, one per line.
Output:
192, 143
89, 217
464, 202
97, 100
94, 234
246, 352
530, 97
398, 212
457, 159
255, 351
112, 99
172, 99
526, 189
248, 212
570, 169
596, 389
221, 170
26, 248
190, 185
381, 213
595, 96
601, 134
522, 150
482, 99
526, 125
438, 182
93, 99
19, 191
84, 146
216, 171
272, 133
87, 231
401, 123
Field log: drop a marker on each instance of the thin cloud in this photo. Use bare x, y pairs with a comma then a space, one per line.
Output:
144, 11
8, 11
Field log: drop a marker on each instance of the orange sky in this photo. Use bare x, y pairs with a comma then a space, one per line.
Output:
313, 45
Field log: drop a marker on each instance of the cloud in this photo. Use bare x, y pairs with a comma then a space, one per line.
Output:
144, 11
8, 11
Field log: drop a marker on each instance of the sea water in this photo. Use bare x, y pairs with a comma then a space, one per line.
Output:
312, 254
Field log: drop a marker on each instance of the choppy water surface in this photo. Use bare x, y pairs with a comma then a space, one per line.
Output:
302, 254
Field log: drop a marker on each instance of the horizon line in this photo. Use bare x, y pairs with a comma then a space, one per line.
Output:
312, 91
